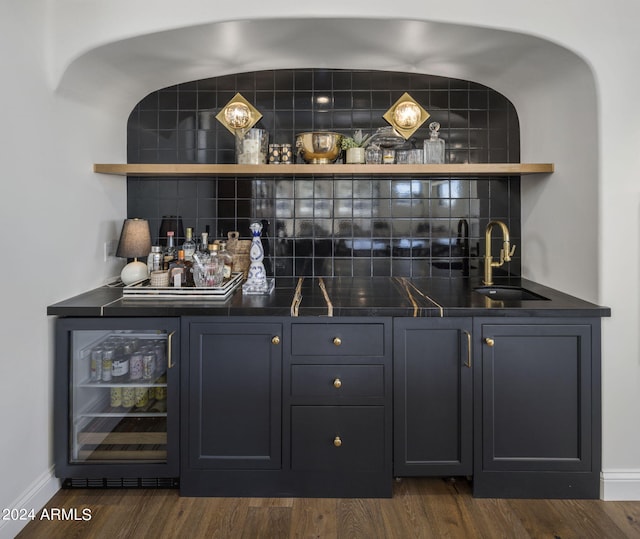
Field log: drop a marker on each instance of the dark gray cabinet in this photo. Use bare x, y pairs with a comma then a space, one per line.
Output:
433, 429
338, 407
231, 404
537, 408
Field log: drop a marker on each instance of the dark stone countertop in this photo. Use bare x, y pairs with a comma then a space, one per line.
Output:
343, 296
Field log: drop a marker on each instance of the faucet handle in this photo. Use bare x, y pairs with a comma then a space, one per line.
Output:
507, 252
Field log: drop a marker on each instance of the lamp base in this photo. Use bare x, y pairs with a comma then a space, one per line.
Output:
134, 272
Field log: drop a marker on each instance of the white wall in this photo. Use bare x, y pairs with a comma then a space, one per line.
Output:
53, 215
77, 74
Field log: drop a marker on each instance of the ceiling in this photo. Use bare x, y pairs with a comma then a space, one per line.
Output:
128, 69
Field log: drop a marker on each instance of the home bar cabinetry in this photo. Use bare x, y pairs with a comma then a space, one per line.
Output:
281, 405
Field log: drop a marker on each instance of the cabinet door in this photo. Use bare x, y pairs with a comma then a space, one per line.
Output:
233, 407
432, 397
536, 398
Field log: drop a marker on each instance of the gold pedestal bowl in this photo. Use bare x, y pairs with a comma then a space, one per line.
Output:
319, 146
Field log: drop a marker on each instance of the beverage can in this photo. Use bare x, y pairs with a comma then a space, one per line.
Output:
120, 367
161, 355
148, 366
95, 368
116, 397
141, 397
161, 390
128, 397
135, 366
107, 365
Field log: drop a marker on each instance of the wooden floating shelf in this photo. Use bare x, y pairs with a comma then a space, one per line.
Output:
197, 170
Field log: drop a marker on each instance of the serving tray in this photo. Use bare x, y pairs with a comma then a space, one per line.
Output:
142, 289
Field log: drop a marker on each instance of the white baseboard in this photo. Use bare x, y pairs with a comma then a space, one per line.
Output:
620, 486
35, 497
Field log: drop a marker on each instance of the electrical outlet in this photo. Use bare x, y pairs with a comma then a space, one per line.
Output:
110, 248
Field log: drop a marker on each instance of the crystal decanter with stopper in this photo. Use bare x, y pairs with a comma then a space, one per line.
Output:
434, 145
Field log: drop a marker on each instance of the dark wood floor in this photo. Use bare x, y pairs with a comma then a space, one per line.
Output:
420, 508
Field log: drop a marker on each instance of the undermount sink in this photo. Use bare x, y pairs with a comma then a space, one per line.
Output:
508, 293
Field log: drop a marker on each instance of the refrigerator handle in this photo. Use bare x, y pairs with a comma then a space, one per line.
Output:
169, 348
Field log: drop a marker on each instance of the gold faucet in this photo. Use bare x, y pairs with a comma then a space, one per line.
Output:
505, 253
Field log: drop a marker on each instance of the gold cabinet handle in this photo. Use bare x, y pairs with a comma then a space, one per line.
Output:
489, 341
337, 441
468, 363
169, 347
337, 383
275, 340
337, 341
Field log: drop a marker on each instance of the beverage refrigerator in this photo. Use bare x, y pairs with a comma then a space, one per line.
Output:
116, 402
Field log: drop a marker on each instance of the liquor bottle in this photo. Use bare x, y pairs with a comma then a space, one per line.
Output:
170, 251
177, 271
204, 242
204, 253
434, 146
227, 258
155, 259
189, 245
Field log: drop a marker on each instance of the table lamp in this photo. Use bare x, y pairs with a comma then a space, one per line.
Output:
135, 242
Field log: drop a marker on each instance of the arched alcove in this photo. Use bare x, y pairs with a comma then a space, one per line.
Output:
551, 87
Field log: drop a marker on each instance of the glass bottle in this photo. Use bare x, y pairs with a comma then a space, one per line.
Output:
170, 251
189, 245
203, 251
155, 260
120, 364
177, 271
227, 259
434, 146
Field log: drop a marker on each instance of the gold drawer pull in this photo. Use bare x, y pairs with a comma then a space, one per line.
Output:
337, 341
337, 441
489, 341
275, 340
337, 383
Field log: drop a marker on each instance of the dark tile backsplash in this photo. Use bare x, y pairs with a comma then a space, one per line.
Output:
341, 225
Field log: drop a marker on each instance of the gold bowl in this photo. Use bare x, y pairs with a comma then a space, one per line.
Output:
319, 146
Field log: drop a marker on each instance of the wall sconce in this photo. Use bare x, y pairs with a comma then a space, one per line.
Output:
238, 115
406, 115
135, 242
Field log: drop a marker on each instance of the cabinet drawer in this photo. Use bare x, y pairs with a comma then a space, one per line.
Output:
337, 339
337, 438
337, 381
